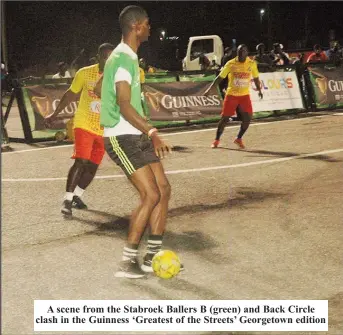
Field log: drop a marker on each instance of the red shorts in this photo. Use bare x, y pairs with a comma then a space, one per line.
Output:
231, 103
88, 146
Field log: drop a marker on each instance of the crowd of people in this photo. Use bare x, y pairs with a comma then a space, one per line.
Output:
277, 56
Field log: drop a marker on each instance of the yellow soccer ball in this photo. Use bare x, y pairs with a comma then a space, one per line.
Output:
166, 264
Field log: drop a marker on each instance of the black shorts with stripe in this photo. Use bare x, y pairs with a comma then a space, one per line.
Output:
130, 152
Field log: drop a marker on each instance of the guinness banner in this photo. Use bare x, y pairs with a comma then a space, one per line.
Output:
327, 85
181, 101
44, 100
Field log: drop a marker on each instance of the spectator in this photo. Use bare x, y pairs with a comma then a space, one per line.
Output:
318, 55
262, 57
144, 65
228, 55
335, 54
80, 61
204, 62
62, 71
278, 56
331, 46
281, 46
93, 60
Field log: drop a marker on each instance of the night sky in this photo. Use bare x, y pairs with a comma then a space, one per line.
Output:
49, 32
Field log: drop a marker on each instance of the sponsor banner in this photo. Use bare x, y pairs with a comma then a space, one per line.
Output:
44, 100
181, 101
280, 91
327, 85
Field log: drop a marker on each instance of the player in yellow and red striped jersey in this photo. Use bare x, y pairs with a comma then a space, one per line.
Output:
88, 145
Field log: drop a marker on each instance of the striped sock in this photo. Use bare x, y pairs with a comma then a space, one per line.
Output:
130, 251
154, 244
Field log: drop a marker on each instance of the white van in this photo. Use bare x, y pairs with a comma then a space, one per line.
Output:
210, 46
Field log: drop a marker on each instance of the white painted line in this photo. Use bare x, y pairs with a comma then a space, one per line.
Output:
210, 168
38, 149
172, 134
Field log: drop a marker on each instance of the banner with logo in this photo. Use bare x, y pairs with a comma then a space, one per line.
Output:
327, 84
280, 91
44, 100
181, 101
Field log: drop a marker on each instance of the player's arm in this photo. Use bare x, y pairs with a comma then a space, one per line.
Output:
258, 86
256, 78
98, 85
223, 73
69, 96
123, 90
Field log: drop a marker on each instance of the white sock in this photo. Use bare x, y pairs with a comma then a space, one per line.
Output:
69, 196
78, 191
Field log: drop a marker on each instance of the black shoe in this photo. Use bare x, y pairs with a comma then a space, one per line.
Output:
147, 264
130, 269
66, 208
78, 203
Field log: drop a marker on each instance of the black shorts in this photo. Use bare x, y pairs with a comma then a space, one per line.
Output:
131, 152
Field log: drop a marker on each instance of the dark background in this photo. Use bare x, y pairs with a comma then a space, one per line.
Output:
44, 33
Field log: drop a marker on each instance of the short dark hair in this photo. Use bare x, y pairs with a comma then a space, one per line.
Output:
316, 47
61, 64
129, 15
241, 46
258, 46
104, 47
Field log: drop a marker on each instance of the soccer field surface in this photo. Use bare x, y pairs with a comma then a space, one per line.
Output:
263, 223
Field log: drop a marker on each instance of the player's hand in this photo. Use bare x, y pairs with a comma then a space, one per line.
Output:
161, 148
260, 94
49, 120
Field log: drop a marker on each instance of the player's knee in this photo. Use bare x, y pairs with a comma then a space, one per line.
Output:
165, 190
152, 196
92, 166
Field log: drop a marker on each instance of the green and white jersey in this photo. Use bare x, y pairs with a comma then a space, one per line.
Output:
122, 65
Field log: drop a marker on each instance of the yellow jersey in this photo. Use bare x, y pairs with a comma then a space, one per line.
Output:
239, 75
87, 116
141, 75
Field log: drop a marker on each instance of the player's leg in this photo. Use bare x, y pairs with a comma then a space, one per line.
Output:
74, 175
126, 152
144, 181
245, 112
97, 154
229, 108
158, 216
82, 151
86, 178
